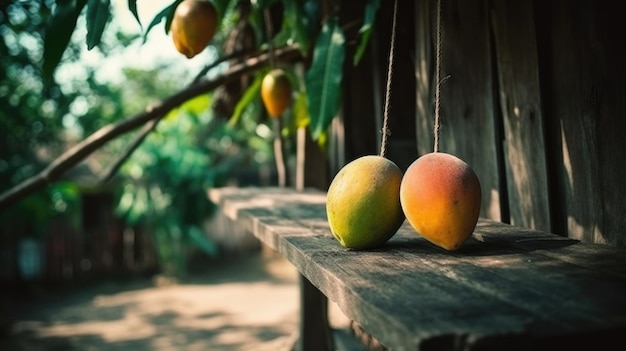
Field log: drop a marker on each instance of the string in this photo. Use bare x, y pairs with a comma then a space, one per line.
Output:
437, 127
385, 130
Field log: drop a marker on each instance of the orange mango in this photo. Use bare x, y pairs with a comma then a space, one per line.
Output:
193, 26
276, 92
440, 196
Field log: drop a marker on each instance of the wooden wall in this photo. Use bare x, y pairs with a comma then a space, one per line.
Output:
535, 102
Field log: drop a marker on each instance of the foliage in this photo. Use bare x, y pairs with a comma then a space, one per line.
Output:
366, 29
60, 200
163, 184
324, 78
180, 159
301, 21
28, 107
164, 180
31, 130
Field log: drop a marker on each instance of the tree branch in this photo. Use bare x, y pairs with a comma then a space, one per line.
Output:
147, 129
237, 55
150, 126
80, 151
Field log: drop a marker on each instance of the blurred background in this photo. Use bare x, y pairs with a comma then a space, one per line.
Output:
84, 240
151, 216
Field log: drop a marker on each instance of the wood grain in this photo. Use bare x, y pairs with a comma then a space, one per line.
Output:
583, 84
507, 287
520, 105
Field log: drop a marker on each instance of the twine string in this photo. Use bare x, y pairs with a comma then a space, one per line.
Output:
385, 131
437, 127
440, 81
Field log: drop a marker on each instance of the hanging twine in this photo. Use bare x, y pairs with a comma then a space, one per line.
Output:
385, 131
437, 127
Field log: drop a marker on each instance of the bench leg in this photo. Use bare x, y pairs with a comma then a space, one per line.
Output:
315, 332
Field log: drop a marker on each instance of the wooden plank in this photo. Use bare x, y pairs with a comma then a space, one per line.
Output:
520, 104
583, 76
467, 102
507, 287
424, 61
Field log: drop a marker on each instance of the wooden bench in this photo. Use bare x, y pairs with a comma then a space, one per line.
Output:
508, 288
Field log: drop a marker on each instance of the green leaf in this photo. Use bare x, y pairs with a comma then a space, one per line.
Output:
197, 105
366, 29
167, 14
301, 111
323, 79
125, 202
221, 6
294, 22
98, 12
58, 35
201, 241
251, 94
170, 16
132, 6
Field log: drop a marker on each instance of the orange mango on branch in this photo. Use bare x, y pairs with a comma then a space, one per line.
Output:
276, 92
193, 26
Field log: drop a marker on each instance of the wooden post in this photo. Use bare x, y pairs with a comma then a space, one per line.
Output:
315, 333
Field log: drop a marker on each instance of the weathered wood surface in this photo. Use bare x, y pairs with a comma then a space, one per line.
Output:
507, 288
583, 78
520, 106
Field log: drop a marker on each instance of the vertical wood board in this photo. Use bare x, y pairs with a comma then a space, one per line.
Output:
520, 102
424, 63
585, 77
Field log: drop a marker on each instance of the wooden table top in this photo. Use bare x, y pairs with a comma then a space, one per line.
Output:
506, 287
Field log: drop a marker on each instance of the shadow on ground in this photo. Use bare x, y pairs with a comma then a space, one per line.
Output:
243, 304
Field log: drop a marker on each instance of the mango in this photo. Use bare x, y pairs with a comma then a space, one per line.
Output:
193, 26
440, 196
276, 92
363, 202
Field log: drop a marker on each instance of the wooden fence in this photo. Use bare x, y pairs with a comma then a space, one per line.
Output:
97, 246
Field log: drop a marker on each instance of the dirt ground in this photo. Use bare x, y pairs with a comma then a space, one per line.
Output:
248, 303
